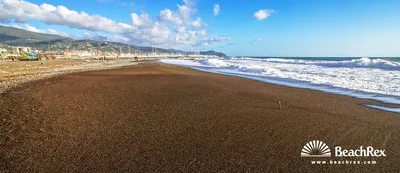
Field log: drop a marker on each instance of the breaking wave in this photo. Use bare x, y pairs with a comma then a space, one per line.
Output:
364, 62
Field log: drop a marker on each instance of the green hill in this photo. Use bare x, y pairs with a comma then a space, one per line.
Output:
211, 52
19, 37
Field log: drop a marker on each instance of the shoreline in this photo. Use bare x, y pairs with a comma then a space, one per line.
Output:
116, 64
18, 80
99, 65
388, 103
157, 117
376, 104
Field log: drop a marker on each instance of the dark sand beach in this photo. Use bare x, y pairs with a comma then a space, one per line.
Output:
162, 118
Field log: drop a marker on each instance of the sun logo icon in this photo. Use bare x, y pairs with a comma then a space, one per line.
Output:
315, 148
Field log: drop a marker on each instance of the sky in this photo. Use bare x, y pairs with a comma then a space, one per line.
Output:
235, 27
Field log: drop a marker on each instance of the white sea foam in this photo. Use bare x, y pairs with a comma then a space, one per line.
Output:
376, 79
364, 62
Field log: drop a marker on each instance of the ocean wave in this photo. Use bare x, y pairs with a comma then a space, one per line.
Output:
364, 62
336, 74
218, 63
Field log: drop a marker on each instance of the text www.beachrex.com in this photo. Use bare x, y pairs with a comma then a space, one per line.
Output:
342, 162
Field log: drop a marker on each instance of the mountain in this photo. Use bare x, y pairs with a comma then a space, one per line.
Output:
19, 37
211, 52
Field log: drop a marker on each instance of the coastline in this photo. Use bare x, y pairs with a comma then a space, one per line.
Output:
379, 103
157, 117
383, 101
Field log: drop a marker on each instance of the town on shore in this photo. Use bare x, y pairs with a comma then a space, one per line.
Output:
21, 53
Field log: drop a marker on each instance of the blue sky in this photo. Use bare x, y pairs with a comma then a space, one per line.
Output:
281, 28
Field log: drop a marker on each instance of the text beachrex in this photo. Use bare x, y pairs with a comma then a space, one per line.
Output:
317, 148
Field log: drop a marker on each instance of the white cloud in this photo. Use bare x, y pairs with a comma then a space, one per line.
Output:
118, 38
187, 30
216, 39
183, 16
99, 37
142, 27
216, 9
186, 12
170, 16
93, 36
142, 30
262, 14
188, 38
202, 33
188, 2
21, 11
256, 41
191, 37
142, 21
197, 23
34, 29
54, 32
180, 29
219, 38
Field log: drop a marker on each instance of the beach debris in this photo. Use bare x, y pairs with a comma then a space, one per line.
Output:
280, 105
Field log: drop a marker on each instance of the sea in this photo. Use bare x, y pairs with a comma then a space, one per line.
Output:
374, 78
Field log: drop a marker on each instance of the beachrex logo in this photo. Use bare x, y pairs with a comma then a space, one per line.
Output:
361, 152
318, 148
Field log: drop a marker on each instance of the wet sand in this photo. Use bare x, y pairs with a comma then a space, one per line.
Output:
161, 118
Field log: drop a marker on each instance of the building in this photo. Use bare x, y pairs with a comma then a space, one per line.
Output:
18, 50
